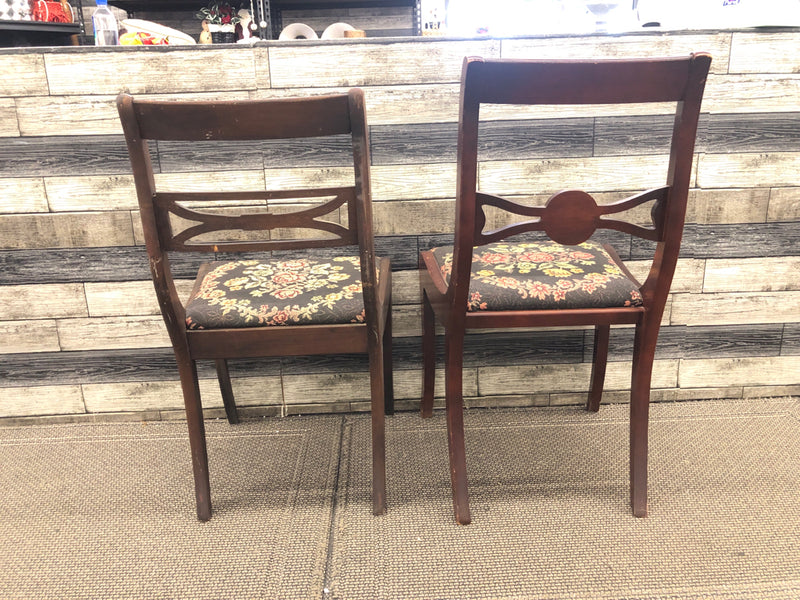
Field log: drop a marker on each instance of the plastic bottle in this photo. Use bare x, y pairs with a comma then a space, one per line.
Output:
106, 30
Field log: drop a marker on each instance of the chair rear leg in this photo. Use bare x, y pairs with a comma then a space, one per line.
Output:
226, 389
377, 408
455, 426
643, 355
599, 360
388, 378
428, 356
197, 435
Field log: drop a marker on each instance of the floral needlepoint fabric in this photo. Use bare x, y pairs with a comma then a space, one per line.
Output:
254, 293
543, 275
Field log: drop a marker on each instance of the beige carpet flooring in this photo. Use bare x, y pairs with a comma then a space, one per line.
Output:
106, 511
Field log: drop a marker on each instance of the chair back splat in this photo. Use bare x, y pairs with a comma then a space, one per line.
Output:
507, 277
276, 276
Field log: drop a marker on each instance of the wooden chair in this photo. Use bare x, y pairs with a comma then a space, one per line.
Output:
303, 295
486, 282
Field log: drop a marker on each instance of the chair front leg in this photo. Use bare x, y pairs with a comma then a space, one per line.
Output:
641, 376
187, 369
454, 359
428, 356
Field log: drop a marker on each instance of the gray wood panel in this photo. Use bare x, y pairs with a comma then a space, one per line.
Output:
791, 339
64, 156
87, 264
498, 140
681, 341
647, 134
732, 241
770, 132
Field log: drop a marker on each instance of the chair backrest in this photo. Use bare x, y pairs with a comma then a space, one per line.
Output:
572, 216
249, 121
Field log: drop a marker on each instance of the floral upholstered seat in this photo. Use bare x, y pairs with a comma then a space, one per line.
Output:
542, 275
254, 293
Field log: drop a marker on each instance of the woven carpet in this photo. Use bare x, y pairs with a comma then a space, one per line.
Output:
550, 513
107, 511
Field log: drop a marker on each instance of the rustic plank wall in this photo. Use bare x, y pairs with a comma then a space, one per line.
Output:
81, 334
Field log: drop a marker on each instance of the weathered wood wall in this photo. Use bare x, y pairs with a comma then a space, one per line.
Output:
79, 325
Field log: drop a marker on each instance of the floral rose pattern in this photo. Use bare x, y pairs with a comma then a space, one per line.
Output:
254, 293
543, 275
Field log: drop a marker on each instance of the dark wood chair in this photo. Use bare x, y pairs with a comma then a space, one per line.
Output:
301, 293
489, 281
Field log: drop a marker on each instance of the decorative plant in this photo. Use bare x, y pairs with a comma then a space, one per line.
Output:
219, 13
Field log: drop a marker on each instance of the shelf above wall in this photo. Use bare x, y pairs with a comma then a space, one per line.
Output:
38, 33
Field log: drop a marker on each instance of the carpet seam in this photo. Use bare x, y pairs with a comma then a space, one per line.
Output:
334, 514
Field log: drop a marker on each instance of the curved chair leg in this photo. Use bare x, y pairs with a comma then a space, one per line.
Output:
197, 435
643, 354
454, 358
225, 388
601, 337
377, 408
428, 356
388, 378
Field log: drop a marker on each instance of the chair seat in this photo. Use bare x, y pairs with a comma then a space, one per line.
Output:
257, 293
541, 276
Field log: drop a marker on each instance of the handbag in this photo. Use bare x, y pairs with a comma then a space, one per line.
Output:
53, 12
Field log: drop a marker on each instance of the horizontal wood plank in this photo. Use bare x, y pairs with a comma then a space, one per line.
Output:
64, 155
311, 66
533, 379
592, 174
127, 298
628, 46
22, 336
23, 195
791, 339
784, 204
112, 333
780, 370
167, 395
749, 170
41, 400
29, 231
158, 72
28, 79
767, 274
728, 206
9, 127
20, 302
735, 308
757, 93
764, 52
680, 341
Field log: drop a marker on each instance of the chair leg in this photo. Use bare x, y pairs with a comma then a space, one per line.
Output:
428, 356
388, 377
454, 346
601, 337
643, 355
226, 389
377, 407
197, 435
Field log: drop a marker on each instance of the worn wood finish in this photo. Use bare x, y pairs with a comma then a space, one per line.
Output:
568, 217
248, 121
